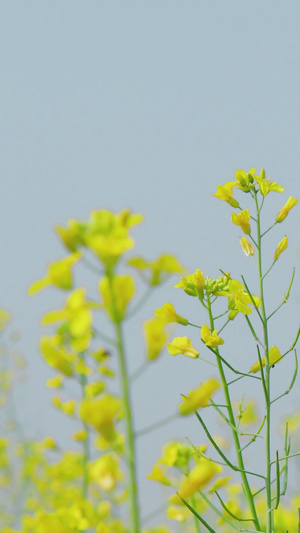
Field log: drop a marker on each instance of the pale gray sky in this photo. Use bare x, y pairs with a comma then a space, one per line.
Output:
150, 105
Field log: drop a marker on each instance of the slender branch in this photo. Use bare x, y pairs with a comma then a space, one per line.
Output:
230, 512
286, 296
93, 268
200, 518
140, 303
130, 441
156, 425
139, 371
266, 377
253, 330
292, 382
265, 232
252, 299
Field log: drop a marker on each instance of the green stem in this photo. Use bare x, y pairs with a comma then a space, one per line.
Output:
269, 511
86, 447
196, 521
235, 436
156, 425
130, 442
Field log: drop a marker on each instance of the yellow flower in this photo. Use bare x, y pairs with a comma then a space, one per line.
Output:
107, 234
198, 478
59, 274
80, 435
116, 295
55, 355
210, 339
274, 357
5, 317
178, 513
176, 454
224, 192
94, 389
72, 236
158, 475
156, 337
284, 211
101, 413
49, 443
78, 315
105, 471
238, 299
67, 407
168, 314
221, 482
199, 397
265, 185
193, 285
248, 413
242, 219
56, 382
81, 367
281, 246
247, 247
245, 179
182, 345
159, 270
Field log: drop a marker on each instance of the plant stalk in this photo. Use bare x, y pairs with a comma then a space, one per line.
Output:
231, 417
269, 512
130, 437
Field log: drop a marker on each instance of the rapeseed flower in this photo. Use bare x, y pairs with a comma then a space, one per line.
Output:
101, 413
116, 294
245, 180
224, 192
106, 472
67, 407
94, 389
56, 382
73, 236
159, 270
157, 475
274, 357
265, 185
182, 345
210, 338
56, 356
198, 478
193, 284
176, 454
76, 311
107, 234
281, 246
242, 219
221, 482
59, 274
284, 211
199, 397
180, 514
156, 337
238, 299
168, 314
5, 317
246, 246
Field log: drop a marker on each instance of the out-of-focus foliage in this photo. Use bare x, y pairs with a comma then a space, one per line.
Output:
91, 486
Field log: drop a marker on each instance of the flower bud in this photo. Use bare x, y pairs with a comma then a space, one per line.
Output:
247, 247
282, 245
284, 211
